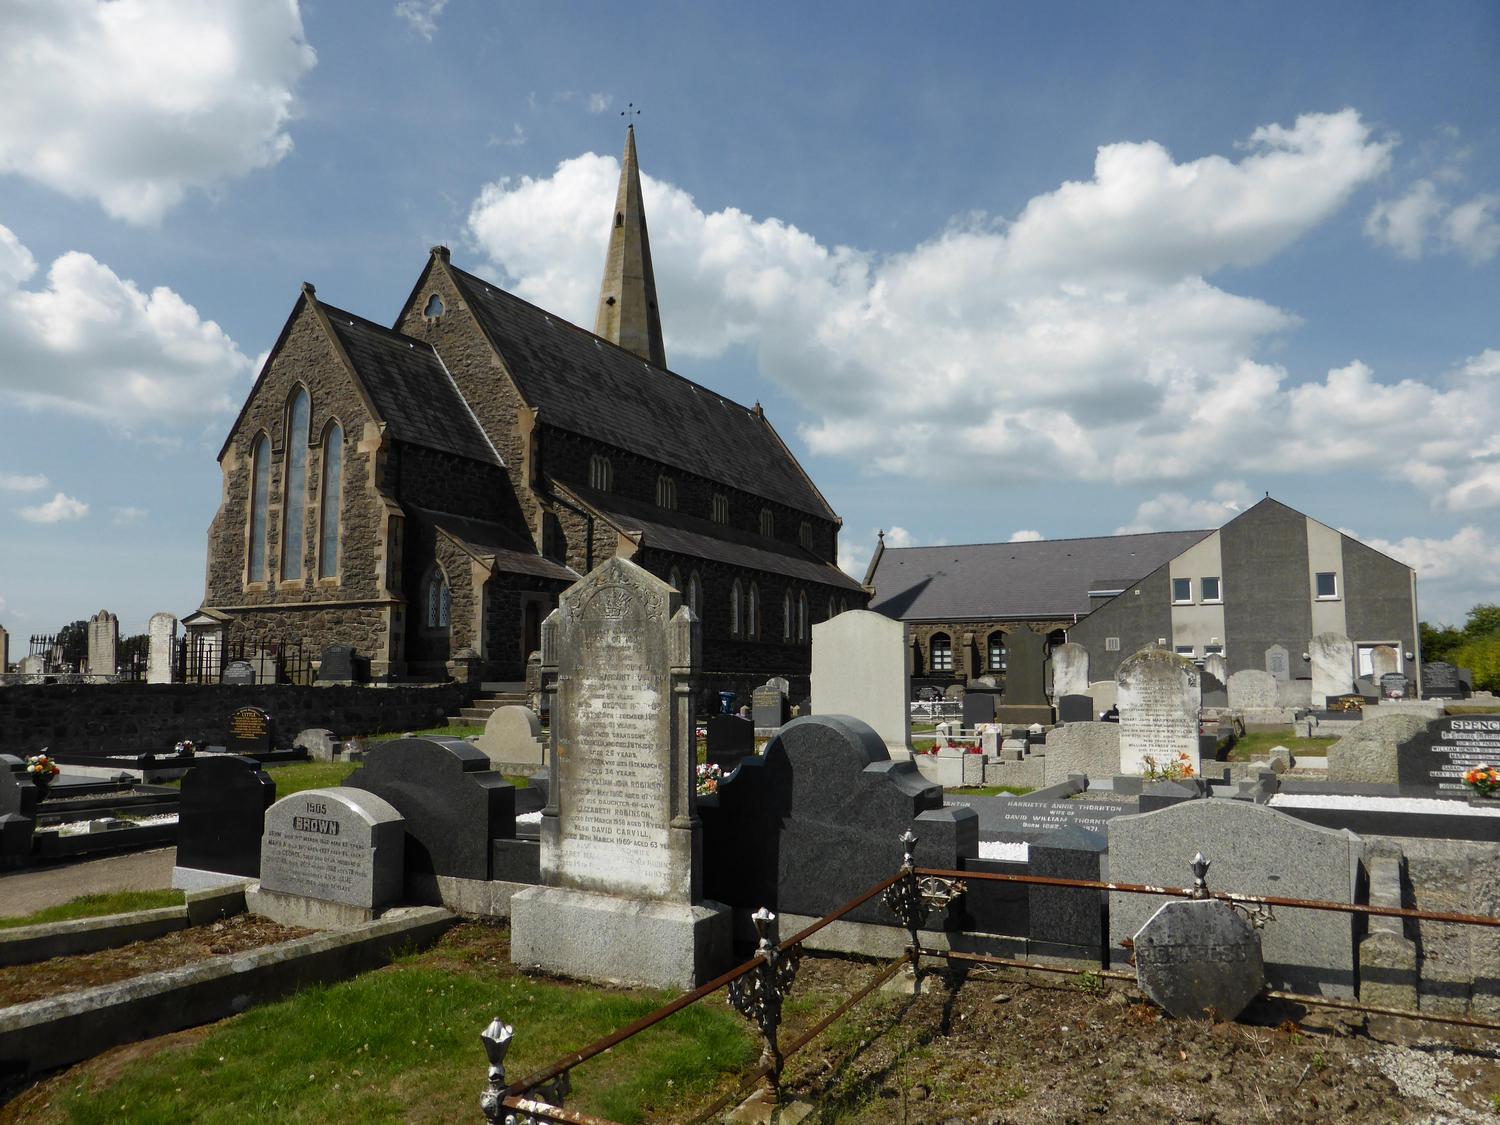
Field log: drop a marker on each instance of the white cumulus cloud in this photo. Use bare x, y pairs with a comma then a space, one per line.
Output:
134, 103
22, 482
1453, 574
93, 343
422, 15
1082, 340
1176, 511
60, 509
1423, 220
1026, 536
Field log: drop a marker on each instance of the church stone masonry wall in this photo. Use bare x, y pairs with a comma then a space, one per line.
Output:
444, 482
971, 662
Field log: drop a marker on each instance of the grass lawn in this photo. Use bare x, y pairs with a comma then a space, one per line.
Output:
402, 1044
460, 730
1257, 744
1469, 709
990, 790
298, 776
95, 906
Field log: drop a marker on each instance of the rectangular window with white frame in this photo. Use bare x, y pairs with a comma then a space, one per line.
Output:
1184, 650
1213, 650
1326, 585
1182, 591
1212, 590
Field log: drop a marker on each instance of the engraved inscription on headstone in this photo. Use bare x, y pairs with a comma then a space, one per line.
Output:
1433, 762
1440, 681
238, 673
338, 845
1277, 663
1159, 700
1028, 819
1199, 960
250, 732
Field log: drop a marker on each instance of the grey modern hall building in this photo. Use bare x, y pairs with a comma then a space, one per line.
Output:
1271, 577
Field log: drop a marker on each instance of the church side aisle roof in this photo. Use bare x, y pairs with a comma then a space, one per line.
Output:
507, 549
586, 385
410, 387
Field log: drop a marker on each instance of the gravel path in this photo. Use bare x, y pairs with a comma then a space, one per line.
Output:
28, 891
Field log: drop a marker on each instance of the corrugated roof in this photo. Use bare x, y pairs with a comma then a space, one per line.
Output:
589, 386
702, 539
1043, 578
410, 387
511, 552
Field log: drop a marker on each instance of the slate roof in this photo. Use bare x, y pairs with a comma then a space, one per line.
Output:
511, 552
703, 539
410, 387
589, 386
1045, 578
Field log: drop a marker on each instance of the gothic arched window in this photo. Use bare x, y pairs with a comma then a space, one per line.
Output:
752, 616
674, 579
294, 490
736, 609
768, 523
260, 499
786, 616
802, 617
601, 473
666, 492
695, 595
437, 598
331, 500
940, 653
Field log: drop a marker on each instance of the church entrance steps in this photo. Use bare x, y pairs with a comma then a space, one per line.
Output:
479, 711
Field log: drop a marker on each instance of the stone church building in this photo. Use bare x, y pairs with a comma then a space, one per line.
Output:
423, 492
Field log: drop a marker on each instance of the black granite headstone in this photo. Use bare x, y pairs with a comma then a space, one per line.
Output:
454, 804
818, 819
1075, 709
251, 731
978, 707
238, 673
1432, 763
1393, 685
222, 814
1440, 681
18, 798
1025, 658
1349, 702
340, 665
730, 738
1061, 915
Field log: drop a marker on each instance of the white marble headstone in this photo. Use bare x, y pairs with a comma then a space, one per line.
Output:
861, 667
1159, 696
1070, 670
1332, 666
161, 648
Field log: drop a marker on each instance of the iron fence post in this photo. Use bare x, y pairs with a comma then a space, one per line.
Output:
758, 995
911, 899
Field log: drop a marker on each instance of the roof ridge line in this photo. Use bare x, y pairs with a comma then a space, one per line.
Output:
386, 329
1064, 539
457, 390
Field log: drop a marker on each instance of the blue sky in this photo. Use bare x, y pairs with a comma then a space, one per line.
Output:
993, 269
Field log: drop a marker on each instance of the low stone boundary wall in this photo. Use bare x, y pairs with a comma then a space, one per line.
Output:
25, 944
140, 718
46, 1034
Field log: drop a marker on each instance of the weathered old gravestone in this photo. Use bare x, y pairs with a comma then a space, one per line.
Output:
620, 836
251, 731
339, 665
319, 743
1025, 695
1159, 704
512, 740
238, 673
104, 639
453, 803
161, 648
342, 849
220, 821
1278, 664
1216, 666
819, 818
1063, 916
1332, 666
730, 738
1070, 670
1393, 685
1383, 661
1440, 681
1199, 960
1254, 850
1367, 754
1432, 762
978, 707
861, 667
1212, 691
1252, 690
1090, 748
769, 707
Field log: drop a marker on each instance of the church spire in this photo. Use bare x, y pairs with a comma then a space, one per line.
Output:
627, 298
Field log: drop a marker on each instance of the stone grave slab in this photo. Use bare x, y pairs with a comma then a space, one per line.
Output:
1027, 818
339, 846
1432, 762
1332, 657
1091, 748
1252, 690
1062, 916
251, 731
1254, 850
730, 739
238, 673
1199, 960
1440, 681
861, 666
512, 740
220, 821
1159, 701
1393, 685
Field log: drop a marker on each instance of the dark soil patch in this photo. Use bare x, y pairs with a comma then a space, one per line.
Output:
43, 979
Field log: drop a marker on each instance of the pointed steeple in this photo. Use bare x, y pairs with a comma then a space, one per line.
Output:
627, 298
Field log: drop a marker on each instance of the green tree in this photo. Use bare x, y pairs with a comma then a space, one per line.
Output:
1484, 621
1439, 641
74, 642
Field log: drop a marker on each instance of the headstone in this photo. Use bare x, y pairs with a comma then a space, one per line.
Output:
1062, 915
512, 740
1383, 661
1440, 681
267, 667
339, 665
319, 743
1254, 850
1199, 960
221, 817
251, 731
1106, 694
1159, 705
1278, 664
1216, 666
104, 640
1029, 818
1089, 748
730, 739
1213, 691
1393, 685
769, 707
161, 648
1252, 690
18, 799
978, 707
1070, 670
861, 667
453, 803
1332, 666
4, 652
341, 846
238, 673
1432, 763
1351, 703
620, 838
781, 684
1075, 709
1025, 695
1367, 754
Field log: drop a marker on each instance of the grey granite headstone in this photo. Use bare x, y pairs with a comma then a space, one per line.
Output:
1393, 685
1199, 960
335, 845
238, 673
1090, 748
221, 817
339, 664
1278, 664
1075, 708
769, 707
1070, 670
1432, 762
318, 742
1062, 915
1159, 704
1252, 690
978, 707
1332, 666
1254, 850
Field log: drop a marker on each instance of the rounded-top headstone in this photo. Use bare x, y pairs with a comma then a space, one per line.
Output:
1199, 959
337, 845
318, 742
